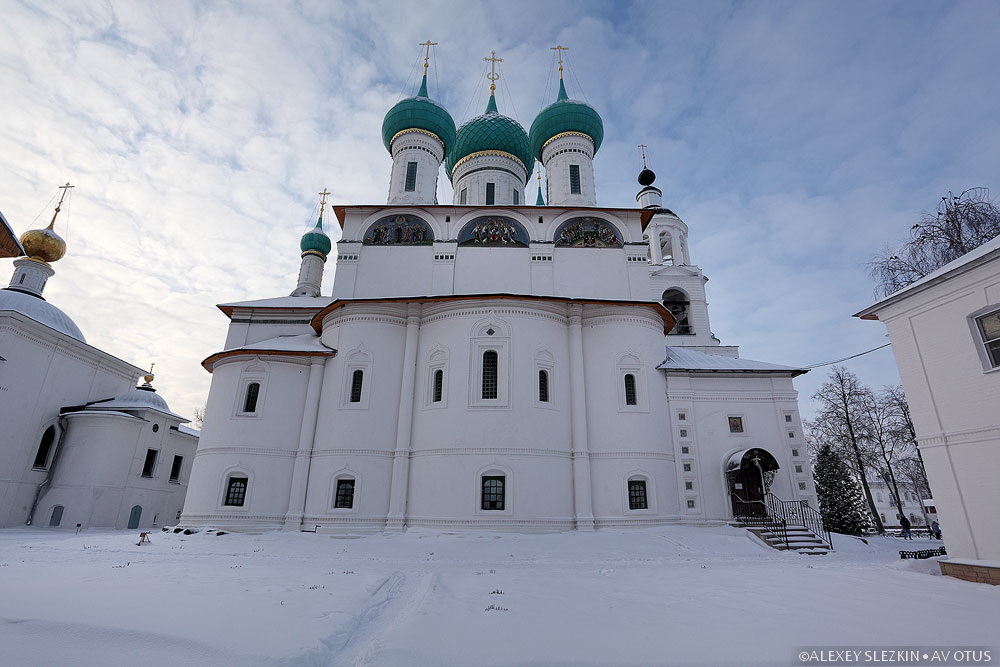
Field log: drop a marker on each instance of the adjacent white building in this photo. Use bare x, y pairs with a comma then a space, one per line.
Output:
945, 333
80, 444
489, 364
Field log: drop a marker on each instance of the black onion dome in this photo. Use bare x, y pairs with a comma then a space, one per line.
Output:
646, 177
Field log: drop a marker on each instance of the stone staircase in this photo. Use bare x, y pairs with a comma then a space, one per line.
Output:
799, 538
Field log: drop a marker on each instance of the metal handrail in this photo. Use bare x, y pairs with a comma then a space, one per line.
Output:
757, 513
775, 512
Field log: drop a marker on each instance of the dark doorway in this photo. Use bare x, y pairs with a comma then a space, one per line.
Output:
133, 518
749, 474
57, 513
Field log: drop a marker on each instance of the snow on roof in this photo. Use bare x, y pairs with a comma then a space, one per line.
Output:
971, 257
280, 302
188, 430
294, 344
136, 399
40, 311
680, 359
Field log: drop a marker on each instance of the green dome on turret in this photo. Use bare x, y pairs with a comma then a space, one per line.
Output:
491, 131
565, 115
316, 240
422, 113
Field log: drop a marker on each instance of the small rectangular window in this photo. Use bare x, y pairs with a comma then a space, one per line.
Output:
493, 493
685, 450
517, 197
989, 329
630, 395
802, 486
788, 418
236, 491
574, 179
543, 386
798, 468
736, 424
357, 384
250, 400
438, 386
795, 452
489, 375
490, 194
175, 468
150, 463
681, 416
345, 494
688, 486
684, 433
637, 494
463, 198
411, 177
791, 434
690, 504
687, 467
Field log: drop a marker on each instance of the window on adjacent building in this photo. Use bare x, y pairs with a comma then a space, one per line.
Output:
250, 400
631, 398
44, 447
989, 329
411, 177
236, 491
637, 494
345, 494
489, 374
490, 194
463, 198
493, 492
150, 463
736, 424
357, 383
438, 386
517, 197
574, 179
543, 386
175, 468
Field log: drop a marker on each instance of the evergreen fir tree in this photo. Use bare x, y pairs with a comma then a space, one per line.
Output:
840, 499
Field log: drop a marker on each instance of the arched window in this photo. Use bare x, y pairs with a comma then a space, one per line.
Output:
438, 385
57, 513
236, 491
543, 386
493, 492
637, 494
250, 401
344, 499
44, 447
489, 374
357, 382
677, 303
630, 395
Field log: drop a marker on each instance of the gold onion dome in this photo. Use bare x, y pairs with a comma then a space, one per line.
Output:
43, 245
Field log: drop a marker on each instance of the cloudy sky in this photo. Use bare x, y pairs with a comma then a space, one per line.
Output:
794, 138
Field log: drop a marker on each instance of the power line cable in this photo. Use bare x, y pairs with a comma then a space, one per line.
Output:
829, 363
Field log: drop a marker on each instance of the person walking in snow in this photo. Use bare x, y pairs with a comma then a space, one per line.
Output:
936, 530
904, 523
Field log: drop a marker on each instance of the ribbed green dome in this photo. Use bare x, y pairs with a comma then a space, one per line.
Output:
422, 113
316, 240
491, 132
565, 115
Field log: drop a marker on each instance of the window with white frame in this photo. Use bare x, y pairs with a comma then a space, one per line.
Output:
989, 330
250, 396
493, 492
637, 494
543, 386
236, 491
437, 388
631, 390
357, 379
489, 382
344, 495
250, 399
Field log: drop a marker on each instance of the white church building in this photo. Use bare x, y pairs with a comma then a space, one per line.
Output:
80, 443
488, 363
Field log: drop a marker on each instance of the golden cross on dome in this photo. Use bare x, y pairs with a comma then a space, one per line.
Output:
427, 55
322, 202
559, 49
65, 189
642, 148
493, 76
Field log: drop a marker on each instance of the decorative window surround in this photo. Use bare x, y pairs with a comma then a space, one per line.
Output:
358, 359
629, 364
437, 362
490, 336
986, 326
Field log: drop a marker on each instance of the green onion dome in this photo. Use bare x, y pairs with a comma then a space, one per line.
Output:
421, 113
316, 240
491, 131
565, 115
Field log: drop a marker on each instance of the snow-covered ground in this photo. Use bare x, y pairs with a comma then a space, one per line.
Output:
663, 596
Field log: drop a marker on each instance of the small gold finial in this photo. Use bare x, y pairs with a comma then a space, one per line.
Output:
559, 49
322, 202
427, 55
539, 175
493, 76
65, 189
642, 149
148, 377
